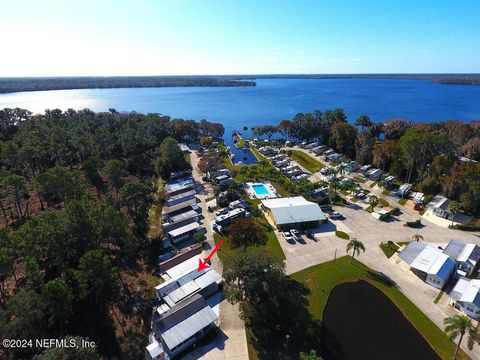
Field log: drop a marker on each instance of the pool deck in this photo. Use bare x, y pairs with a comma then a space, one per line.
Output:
271, 192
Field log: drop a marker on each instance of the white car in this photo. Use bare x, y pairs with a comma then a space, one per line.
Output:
335, 215
295, 234
287, 236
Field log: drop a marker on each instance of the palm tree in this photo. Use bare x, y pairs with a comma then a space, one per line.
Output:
417, 237
356, 246
460, 325
374, 200
454, 208
341, 168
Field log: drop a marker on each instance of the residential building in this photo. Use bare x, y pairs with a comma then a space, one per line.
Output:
319, 150
225, 219
170, 211
374, 174
428, 263
466, 298
184, 255
181, 326
184, 232
440, 207
292, 212
465, 255
179, 198
179, 186
188, 283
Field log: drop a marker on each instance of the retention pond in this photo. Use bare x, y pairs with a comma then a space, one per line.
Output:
360, 322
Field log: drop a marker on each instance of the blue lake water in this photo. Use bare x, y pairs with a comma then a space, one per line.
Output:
272, 100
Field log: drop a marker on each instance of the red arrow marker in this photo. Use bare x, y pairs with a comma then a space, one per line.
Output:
203, 264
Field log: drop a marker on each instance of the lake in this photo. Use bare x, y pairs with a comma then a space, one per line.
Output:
272, 100
362, 323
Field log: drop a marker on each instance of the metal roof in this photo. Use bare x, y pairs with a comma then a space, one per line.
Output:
433, 261
189, 327
185, 215
179, 184
411, 251
460, 251
184, 229
293, 210
183, 205
467, 290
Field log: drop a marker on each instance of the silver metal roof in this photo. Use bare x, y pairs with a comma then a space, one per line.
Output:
411, 251
189, 327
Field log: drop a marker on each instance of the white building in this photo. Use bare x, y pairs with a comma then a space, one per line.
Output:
428, 263
465, 255
292, 212
440, 207
465, 297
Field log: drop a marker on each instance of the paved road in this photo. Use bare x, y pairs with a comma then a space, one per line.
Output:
233, 341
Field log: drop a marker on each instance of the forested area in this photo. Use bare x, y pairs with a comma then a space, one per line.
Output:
75, 258
427, 155
8, 85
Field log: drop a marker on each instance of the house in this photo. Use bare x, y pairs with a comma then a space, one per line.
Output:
292, 212
170, 211
184, 255
328, 152
365, 168
182, 219
187, 284
319, 150
404, 189
184, 148
428, 263
333, 157
155, 351
294, 172
182, 326
223, 180
179, 198
440, 207
465, 255
312, 145
466, 298
351, 167
241, 203
281, 163
179, 186
225, 219
374, 174
184, 232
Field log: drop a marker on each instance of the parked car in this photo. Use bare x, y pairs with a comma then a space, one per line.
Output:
324, 171
296, 234
287, 236
309, 234
335, 215
360, 195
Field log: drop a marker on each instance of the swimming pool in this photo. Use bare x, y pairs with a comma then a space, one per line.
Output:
260, 189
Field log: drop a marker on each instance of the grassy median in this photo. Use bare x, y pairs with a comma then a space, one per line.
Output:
308, 162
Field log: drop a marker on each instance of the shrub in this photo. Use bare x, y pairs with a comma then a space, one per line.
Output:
342, 235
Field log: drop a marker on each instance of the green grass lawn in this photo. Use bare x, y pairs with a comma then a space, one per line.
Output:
306, 161
372, 185
272, 246
321, 279
386, 192
402, 201
389, 250
360, 179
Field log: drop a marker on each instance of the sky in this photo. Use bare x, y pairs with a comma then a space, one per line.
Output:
193, 37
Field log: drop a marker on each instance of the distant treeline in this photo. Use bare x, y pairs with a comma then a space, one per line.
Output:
461, 79
8, 85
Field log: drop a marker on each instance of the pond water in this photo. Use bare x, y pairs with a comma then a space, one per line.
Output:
362, 323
